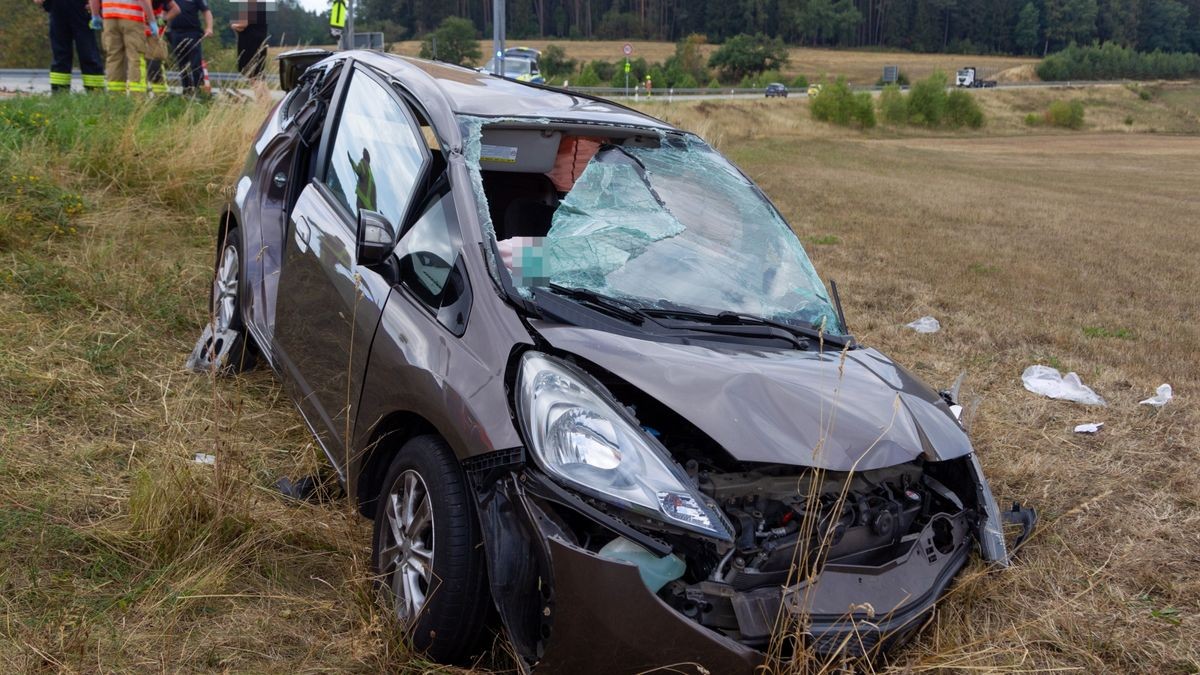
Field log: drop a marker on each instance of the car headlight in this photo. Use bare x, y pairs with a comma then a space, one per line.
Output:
580, 436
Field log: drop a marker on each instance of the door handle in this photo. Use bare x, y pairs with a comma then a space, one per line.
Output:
303, 229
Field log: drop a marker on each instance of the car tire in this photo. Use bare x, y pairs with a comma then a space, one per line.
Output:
225, 305
436, 579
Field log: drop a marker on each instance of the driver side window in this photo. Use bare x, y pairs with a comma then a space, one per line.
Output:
378, 152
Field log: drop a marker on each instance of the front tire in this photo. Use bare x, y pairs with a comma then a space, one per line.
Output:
426, 551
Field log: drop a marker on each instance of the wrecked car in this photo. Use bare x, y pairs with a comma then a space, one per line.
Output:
583, 377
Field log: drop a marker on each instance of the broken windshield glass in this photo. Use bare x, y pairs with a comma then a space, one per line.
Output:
673, 226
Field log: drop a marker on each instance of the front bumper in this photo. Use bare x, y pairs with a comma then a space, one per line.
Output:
570, 610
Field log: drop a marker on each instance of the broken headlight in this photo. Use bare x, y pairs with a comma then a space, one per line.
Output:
579, 435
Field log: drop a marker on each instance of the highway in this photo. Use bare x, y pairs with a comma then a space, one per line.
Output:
28, 80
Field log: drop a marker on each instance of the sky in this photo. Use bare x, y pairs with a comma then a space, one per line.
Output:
315, 5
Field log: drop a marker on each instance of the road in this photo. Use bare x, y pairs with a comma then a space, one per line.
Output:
38, 81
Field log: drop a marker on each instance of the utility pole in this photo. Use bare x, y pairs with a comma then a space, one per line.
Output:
349, 24
498, 29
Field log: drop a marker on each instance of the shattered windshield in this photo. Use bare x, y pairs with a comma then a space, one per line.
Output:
677, 227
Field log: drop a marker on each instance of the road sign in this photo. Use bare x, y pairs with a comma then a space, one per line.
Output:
626, 66
890, 74
627, 50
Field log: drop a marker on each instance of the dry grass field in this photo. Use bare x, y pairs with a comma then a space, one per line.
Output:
859, 67
1074, 249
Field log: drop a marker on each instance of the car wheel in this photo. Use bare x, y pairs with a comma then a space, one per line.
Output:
426, 551
226, 309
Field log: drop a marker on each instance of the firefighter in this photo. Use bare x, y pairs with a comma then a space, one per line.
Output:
152, 71
70, 27
124, 40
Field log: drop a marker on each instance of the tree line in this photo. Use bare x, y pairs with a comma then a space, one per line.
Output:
963, 26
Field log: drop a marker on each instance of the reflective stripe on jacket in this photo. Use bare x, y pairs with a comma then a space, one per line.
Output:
109, 9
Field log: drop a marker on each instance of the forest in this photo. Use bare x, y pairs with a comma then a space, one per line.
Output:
962, 26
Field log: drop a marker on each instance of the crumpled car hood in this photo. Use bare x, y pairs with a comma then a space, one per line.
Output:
804, 408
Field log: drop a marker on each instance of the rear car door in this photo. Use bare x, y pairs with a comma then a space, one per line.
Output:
373, 157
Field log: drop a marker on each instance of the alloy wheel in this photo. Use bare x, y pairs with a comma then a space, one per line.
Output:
407, 559
225, 289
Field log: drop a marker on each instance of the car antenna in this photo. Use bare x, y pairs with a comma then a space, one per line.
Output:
837, 303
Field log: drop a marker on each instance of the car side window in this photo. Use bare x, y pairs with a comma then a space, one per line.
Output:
430, 265
377, 153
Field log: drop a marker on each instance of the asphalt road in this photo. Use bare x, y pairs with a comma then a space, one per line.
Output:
38, 81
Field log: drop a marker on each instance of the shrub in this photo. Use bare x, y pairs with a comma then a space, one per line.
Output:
456, 42
1033, 119
801, 82
714, 84
743, 55
588, 77
927, 100
837, 104
962, 110
1110, 61
893, 107
1064, 114
554, 62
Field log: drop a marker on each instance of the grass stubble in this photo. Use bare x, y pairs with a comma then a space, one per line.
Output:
1075, 249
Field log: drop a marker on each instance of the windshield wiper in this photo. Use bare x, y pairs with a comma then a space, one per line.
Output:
618, 308
734, 323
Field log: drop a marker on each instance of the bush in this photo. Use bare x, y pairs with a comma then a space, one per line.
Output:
588, 77
744, 55
893, 107
962, 110
554, 62
1065, 114
837, 104
713, 84
901, 79
801, 82
927, 100
1110, 61
456, 42
1033, 119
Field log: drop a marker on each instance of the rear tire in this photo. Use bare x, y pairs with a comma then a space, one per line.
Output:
426, 551
225, 308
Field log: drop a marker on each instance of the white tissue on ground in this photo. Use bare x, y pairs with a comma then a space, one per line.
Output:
1049, 382
202, 458
1088, 428
1161, 396
925, 324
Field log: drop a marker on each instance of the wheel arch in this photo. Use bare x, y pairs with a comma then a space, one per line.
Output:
387, 438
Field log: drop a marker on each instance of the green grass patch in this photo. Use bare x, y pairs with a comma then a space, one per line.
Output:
1102, 332
824, 240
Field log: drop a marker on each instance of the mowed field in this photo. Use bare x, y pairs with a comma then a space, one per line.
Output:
859, 67
1071, 249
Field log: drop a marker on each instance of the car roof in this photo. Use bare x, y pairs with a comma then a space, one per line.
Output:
470, 92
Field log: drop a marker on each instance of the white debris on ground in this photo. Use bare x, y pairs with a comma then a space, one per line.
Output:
1161, 396
1048, 382
202, 458
1088, 428
925, 324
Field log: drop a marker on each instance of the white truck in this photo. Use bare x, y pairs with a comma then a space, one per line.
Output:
968, 77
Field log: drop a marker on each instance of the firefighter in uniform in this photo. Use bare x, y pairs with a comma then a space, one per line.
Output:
69, 33
153, 74
124, 40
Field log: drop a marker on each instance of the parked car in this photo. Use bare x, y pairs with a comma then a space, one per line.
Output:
583, 377
776, 89
814, 89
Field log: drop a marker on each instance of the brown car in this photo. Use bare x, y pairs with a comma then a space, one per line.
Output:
584, 378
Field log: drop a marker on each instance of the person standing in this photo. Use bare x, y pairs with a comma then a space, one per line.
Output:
155, 75
71, 32
251, 29
185, 36
124, 40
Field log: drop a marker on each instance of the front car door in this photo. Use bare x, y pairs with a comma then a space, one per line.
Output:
372, 157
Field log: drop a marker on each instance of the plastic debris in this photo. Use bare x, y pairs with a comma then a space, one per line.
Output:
203, 458
1088, 428
1050, 383
925, 324
1161, 396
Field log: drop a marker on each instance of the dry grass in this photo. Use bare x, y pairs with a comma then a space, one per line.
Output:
860, 67
1030, 248
117, 552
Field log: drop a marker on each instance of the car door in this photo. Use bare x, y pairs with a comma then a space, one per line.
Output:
373, 157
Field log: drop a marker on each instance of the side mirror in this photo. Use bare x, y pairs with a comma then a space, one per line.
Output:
376, 238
